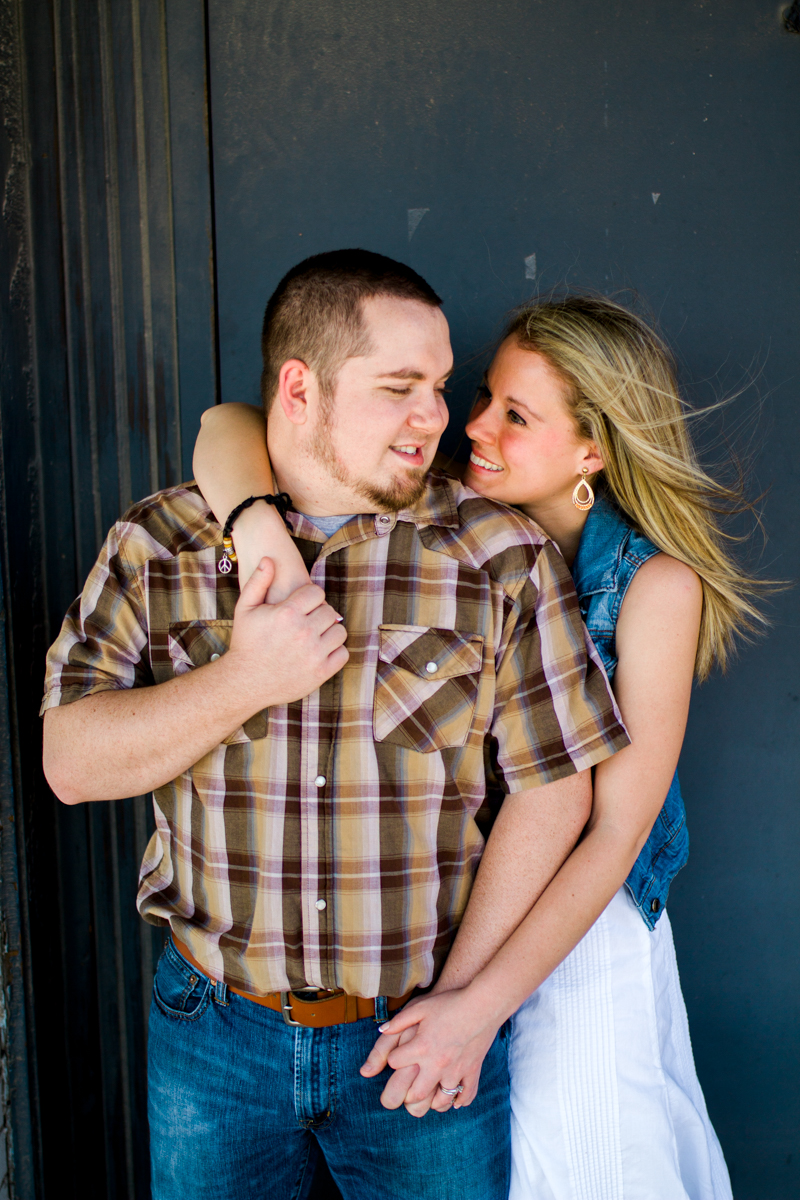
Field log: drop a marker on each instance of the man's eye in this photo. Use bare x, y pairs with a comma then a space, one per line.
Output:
399, 391
515, 418
444, 391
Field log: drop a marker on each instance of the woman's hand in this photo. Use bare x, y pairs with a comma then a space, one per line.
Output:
450, 1035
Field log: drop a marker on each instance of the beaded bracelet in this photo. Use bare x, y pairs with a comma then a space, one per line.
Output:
282, 501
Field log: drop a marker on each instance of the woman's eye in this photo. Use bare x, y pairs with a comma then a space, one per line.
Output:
515, 418
399, 391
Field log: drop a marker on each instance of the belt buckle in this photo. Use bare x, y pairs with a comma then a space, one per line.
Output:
286, 1008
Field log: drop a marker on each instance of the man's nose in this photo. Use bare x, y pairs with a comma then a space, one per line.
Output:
429, 412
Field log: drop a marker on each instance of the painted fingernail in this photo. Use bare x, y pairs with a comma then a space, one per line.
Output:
338, 618
383, 1028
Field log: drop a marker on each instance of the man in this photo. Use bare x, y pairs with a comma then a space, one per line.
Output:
316, 806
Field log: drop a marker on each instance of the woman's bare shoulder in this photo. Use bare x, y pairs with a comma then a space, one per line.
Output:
662, 583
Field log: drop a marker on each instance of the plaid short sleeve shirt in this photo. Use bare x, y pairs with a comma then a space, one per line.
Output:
333, 842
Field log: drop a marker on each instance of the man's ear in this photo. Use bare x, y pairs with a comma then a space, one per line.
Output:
293, 383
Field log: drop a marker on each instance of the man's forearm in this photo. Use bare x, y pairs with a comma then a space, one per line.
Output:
628, 792
567, 909
533, 834
456, 1025
116, 744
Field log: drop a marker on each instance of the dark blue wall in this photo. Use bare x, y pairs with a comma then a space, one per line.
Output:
626, 145
164, 162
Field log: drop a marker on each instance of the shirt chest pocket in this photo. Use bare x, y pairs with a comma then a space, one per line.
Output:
187, 645
426, 686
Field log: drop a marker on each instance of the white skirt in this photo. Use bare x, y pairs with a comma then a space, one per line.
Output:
605, 1100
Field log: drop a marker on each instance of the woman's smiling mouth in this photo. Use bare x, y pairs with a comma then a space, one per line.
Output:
483, 463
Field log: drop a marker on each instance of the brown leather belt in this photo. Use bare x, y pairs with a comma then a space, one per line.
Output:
336, 1008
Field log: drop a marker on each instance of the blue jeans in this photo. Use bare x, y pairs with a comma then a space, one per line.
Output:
240, 1104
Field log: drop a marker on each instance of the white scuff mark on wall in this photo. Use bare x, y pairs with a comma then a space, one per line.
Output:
530, 266
415, 215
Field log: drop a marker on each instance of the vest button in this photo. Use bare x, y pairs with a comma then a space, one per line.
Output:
655, 905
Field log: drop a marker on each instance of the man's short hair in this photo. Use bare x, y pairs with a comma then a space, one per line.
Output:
315, 313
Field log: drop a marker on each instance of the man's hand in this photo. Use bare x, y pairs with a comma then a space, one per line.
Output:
436, 1040
123, 743
394, 1093
282, 652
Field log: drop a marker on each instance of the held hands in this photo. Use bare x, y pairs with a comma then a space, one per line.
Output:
436, 1040
282, 652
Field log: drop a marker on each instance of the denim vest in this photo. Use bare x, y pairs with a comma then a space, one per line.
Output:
609, 555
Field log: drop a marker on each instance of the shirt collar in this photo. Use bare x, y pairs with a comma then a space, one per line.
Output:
438, 503
437, 506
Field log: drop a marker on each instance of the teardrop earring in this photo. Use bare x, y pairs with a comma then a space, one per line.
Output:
583, 505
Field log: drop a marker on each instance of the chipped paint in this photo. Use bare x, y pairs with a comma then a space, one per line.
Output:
415, 215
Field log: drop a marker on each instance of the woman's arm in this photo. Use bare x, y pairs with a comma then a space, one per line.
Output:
231, 463
483, 981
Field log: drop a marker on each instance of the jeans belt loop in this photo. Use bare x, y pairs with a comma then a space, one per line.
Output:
221, 993
381, 1010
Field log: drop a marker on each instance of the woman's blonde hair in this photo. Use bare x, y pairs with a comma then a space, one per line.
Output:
624, 396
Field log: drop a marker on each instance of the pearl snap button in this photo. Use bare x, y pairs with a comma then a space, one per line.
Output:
213, 658
384, 519
320, 905
431, 667
320, 781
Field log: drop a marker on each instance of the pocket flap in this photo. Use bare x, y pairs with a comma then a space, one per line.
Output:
431, 653
195, 643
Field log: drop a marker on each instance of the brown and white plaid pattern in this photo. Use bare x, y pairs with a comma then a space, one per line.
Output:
467, 657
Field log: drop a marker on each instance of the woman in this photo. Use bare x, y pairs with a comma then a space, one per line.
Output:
605, 1099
